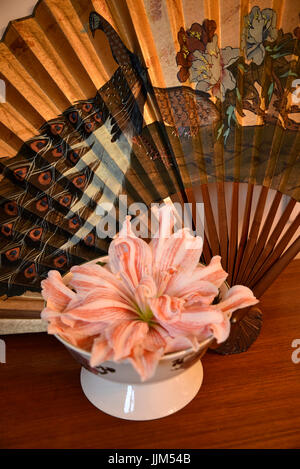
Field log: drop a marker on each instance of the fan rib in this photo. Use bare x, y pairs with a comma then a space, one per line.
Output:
223, 228
257, 251
234, 223
252, 238
210, 225
9, 142
275, 235
268, 278
279, 249
245, 229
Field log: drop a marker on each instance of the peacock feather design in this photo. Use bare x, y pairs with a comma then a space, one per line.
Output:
53, 190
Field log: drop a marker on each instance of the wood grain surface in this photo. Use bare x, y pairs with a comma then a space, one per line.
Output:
250, 400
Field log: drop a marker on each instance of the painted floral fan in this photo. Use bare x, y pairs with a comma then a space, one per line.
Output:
150, 100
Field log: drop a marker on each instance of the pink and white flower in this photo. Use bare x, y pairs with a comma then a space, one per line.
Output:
150, 299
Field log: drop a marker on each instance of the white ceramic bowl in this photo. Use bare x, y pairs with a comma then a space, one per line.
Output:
116, 388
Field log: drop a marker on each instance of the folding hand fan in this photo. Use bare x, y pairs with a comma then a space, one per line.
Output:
151, 99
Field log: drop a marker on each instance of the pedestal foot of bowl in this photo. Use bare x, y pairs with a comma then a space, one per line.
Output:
145, 401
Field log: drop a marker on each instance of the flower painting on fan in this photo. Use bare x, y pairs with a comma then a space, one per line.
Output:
251, 85
146, 301
259, 26
210, 69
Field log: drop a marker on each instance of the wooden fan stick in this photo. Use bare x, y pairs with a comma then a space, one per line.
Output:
234, 223
235, 250
245, 229
192, 201
222, 221
206, 252
219, 164
10, 142
210, 225
250, 244
276, 233
246, 323
267, 280
257, 252
141, 175
236, 247
278, 250
254, 256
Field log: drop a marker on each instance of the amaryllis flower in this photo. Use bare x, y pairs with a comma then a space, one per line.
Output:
210, 69
193, 39
148, 300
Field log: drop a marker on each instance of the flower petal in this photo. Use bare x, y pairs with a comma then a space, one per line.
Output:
229, 55
193, 290
194, 320
81, 336
183, 282
203, 86
145, 290
181, 252
126, 230
125, 336
131, 258
183, 74
145, 362
55, 292
213, 272
166, 308
48, 313
88, 277
101, 352
155, 338
180, 342
187, 341
166, 223
221, 330
96, 308
237, 297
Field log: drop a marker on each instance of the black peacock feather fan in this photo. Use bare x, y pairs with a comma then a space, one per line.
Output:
149, 99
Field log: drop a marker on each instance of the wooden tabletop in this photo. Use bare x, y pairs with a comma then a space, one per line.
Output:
250, 400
